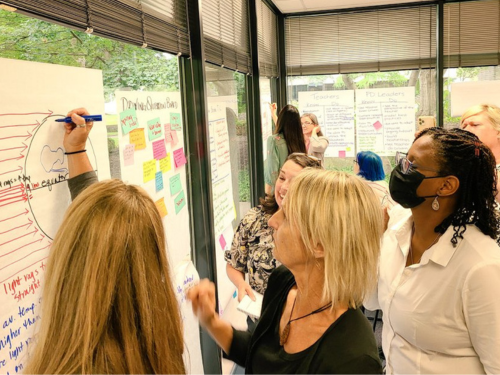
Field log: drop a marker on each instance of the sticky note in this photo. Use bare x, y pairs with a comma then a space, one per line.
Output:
342, 154
149, 170
175, 184
128, 155
179, 158
175, 121
173, 134
222, 242
165, 163
136, 137
162, 209
348, 149
179, 202
168, 137
167, 128
155, 129
128, 120
159, 151
377, 125
159, 181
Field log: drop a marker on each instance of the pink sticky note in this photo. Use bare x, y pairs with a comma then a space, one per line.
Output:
167, 128
179, 158
342, 154
128, 154
222, 242
173, 134
159, 151
168, 137
377, 125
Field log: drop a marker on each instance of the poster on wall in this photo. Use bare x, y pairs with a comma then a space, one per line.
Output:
385, 120
152, 155
335, 112
33, 191
222, 189
265, 113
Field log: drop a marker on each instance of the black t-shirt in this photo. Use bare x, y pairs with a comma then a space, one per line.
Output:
348, 346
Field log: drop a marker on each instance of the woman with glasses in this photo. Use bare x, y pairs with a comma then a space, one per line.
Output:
287, 139
368, 165
440, 265
484, 121
310, 321
252, 248
316, 142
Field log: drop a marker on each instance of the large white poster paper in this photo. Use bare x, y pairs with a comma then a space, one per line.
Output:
33, 192
385, 120
220, 157
335, 112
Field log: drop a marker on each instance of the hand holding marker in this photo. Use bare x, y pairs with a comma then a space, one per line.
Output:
86, 117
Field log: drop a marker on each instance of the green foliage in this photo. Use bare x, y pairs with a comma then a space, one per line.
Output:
123, 65
244, 185
241, 127
241, 91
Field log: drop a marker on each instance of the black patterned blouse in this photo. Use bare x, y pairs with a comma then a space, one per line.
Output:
252, 249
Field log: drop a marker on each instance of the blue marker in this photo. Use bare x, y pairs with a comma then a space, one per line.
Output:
87, 118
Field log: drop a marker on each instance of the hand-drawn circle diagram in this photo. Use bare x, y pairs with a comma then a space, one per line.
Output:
45, 175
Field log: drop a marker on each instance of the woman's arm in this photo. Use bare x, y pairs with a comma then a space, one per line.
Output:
272, 165
482, 313
202, 297
317, 144
238, 279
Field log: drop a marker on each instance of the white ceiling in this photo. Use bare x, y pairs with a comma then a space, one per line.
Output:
295, 6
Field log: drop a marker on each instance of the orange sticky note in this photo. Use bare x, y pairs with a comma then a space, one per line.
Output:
149, 170
162, 209
137, 138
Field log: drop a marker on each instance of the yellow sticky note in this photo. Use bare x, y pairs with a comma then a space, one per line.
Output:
137, 138
162, 209
165, 163
348, 149
149, 170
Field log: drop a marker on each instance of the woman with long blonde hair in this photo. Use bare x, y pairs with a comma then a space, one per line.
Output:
108, 302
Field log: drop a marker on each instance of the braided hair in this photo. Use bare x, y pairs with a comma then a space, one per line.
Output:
461, 154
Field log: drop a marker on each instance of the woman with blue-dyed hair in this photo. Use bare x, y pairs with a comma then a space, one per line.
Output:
369, 166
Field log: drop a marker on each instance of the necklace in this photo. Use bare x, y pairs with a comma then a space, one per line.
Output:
411, 250
286, 330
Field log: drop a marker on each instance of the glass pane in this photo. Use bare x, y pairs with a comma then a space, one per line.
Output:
124, 78
376, 112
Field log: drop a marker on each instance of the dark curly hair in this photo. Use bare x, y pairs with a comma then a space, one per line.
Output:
461, 154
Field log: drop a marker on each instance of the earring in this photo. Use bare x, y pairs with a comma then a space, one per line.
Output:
435, 204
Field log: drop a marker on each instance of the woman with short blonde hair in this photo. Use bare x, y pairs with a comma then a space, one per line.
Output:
484, 121
310, 323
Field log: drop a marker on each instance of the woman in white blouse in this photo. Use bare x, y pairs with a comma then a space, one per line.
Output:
440, 265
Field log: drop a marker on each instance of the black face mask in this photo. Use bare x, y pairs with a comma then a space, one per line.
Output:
403, 187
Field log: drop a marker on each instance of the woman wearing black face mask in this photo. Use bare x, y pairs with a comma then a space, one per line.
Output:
440, 265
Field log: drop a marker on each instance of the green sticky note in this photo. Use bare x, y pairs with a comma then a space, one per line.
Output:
175, 184
179, 202
128, 120
155, 129
175, 121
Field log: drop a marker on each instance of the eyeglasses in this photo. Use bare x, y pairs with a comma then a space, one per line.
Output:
355, 161
307, 123
406, 165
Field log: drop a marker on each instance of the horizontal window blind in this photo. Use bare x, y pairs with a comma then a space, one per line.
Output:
159, 24
226, 34
378, 40
267, 30
472, 33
